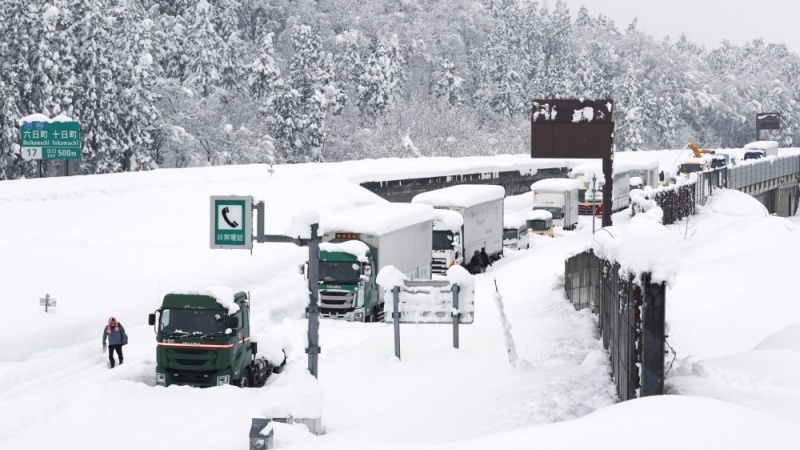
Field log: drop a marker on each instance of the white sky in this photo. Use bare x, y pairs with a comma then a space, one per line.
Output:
704, 21
105, 245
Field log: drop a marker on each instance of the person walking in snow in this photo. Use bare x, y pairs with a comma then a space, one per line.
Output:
485, 261
115, 333
474, 266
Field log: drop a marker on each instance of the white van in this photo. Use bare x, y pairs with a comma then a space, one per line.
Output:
515, 232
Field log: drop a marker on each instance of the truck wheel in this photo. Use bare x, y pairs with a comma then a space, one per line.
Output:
245, 380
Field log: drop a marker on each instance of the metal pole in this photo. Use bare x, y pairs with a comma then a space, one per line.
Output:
46, 301
313, 306
456, 315
608, 171
594, 198
396, 318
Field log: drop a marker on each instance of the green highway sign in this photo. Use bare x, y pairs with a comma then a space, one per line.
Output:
50, 140
232, 221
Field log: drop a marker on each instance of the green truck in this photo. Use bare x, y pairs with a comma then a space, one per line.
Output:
358, 243
203, 339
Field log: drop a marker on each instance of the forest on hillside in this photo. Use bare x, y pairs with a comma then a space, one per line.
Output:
183, 83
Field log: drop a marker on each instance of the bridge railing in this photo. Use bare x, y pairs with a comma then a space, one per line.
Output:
762, 171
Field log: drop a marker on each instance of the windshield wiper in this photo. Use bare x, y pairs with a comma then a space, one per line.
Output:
178, 334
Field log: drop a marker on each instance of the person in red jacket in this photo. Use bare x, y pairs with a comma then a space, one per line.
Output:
115, 333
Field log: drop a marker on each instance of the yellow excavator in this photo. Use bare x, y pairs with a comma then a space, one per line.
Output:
696, 165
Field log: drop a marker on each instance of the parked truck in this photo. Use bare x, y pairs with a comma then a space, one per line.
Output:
481, 209
620, 193
358, 243
558, 196
515, 232
540, 221
203, 339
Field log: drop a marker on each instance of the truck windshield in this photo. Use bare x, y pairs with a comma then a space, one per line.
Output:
442, 240
689, 168
344, 272
537, 225
193, 321
510, 233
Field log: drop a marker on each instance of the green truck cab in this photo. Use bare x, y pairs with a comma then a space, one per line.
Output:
203, 340
347, 286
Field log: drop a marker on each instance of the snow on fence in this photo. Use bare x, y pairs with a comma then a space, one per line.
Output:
631, 314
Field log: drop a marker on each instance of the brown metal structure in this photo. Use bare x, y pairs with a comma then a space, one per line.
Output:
767, 121
576, 129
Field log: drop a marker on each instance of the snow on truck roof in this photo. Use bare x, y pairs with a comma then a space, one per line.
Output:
378, 218
511, 221
761, 145
555, 184
539, 214
452, 220
462, 195
355, 248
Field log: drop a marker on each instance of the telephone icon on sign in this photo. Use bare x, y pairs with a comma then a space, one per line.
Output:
231, 223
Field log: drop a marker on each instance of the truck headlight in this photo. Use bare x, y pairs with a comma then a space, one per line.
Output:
161, 379
358, 316
223, 379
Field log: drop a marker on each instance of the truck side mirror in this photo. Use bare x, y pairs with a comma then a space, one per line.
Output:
233, 322
367, 270
151, 319
254, 347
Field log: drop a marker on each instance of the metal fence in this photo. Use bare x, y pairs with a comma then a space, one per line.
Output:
762, 171
631, 320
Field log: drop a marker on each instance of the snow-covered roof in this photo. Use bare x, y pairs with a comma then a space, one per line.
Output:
555, 184
634, 164
762, 145
452, 220
221, 294
378, 218
355, 248
513, 220
462, 195
635, 181
539, 214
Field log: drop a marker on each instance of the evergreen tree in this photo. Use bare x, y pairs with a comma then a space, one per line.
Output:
348, 60
97, 94
264, 72
203, 71
375, 88
288, 123
449, 86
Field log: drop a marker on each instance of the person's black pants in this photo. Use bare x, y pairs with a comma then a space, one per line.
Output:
111, 349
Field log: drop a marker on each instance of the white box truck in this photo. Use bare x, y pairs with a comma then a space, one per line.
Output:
358, 243
559, 196
481, 209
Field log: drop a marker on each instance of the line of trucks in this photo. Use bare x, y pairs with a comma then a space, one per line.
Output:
204, 337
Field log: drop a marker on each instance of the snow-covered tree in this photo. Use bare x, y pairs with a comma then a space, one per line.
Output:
203, 50
448, 85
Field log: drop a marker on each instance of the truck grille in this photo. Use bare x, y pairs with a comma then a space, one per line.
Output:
191, 357
336, 299
439, 265
200, 377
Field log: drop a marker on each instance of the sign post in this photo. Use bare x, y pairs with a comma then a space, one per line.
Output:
47, 302
767, 121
